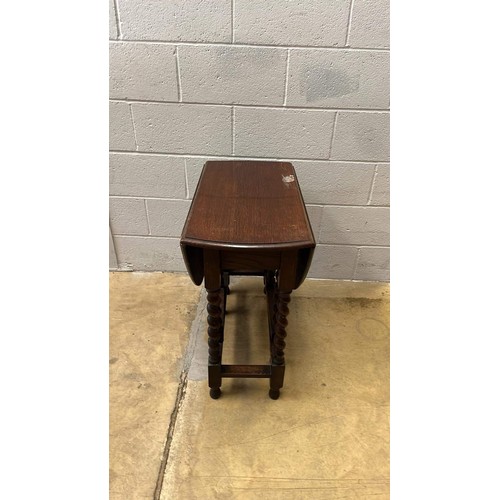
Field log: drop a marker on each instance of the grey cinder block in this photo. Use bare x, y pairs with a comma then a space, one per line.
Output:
142, 71
373, 264
338, 78
167, 217
361, 136
315, 213
283, 133
297, 22
222, 74
183, 128
128, 216
194, 167
121, 130
370, 24
149, 253
146, 175
176, 20
330, 183
381, 186
333, 262
355, 225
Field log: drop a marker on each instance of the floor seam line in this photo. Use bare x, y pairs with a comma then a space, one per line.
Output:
181, 392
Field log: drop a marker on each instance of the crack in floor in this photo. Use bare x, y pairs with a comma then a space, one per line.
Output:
181, 391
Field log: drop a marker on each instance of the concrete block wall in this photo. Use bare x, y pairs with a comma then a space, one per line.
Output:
305, 81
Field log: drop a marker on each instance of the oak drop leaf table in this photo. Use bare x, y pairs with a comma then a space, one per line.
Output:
248, 218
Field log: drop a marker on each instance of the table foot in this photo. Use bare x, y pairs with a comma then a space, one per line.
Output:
274, 393
215, 393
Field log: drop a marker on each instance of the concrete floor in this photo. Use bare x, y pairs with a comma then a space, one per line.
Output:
326, 437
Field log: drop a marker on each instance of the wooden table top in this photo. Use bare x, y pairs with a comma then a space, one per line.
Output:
248, 204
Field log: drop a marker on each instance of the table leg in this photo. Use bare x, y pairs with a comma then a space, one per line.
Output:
215, 298
278, 345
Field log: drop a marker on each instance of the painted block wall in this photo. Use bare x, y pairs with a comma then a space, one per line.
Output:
305, 81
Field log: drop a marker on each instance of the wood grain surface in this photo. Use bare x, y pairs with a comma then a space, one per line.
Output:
248, 204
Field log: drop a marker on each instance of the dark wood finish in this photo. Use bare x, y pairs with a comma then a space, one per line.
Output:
247, 204
215, 325
279, 327
248, 218
246, 371
245, 260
